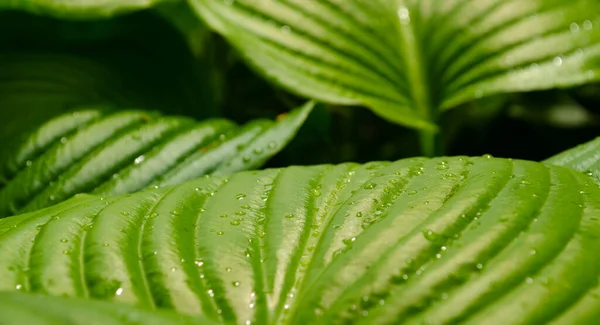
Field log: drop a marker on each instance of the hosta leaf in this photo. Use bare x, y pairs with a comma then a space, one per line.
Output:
438, 241
584, 158
124, 152
19, 308
408, 59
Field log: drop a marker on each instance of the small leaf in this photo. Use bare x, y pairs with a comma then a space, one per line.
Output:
20, 308
409, 59
88, 151
584, 158
439, 241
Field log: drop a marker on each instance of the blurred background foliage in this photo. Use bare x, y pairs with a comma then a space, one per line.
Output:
190, 71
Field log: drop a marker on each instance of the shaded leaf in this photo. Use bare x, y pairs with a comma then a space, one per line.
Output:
124, 152
48, 67
448, 240
409, 59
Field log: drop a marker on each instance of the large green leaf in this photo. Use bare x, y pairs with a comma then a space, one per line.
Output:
19, 308
88, 151
417, 241
584, 158
409, 59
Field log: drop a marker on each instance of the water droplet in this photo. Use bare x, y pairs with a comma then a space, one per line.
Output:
404, 15
64, 240
479, 266
272, 145
199, 263
290, 216
316, 192
174, 212
359, 214
124, 213
235, 223
413, 192
246, 159
529, 280
211, 293
28, 163
106, 244
370, 186
235, 283
286, 29
488, 156
119, 291
63, 140
574, 27
286, 306
52, 198
557, 61
240, 213
533, 252
587, 25
153, 215
220, 233
139, 160
19, 286
240, 196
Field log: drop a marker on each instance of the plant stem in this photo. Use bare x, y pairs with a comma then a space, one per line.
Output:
431, 143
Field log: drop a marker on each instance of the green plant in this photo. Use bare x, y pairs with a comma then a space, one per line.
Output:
132, 129
443, 240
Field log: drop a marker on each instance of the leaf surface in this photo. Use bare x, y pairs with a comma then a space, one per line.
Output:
409, 59
19, 308
447, 240
584, 158
107, 154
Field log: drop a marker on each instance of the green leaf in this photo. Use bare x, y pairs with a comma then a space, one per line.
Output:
79, 9
88, 151
584, 158
409, 59
438, 241
20, 308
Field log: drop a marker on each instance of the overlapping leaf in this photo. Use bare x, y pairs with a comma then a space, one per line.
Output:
437, 241
584, 158
408, 59
124, 152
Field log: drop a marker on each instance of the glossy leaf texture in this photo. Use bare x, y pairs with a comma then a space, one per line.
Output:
105, 154
584, 158
79, 9
409, 59
19, 308
437, 241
